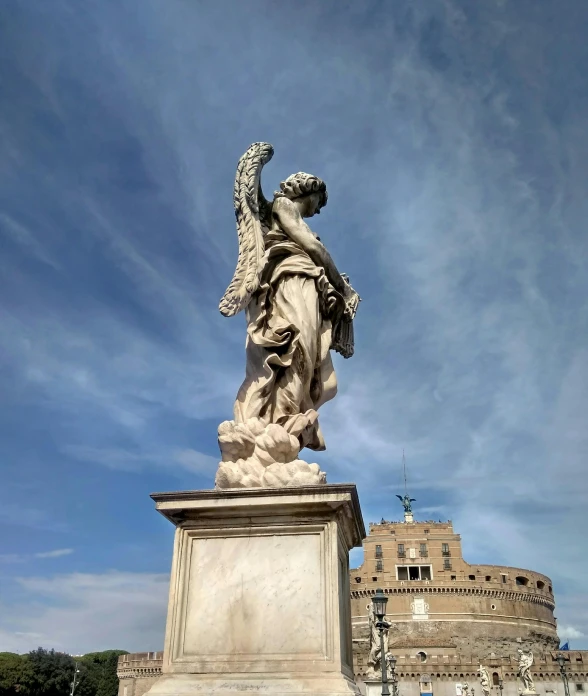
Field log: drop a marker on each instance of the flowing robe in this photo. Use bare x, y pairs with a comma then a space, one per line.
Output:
290, 321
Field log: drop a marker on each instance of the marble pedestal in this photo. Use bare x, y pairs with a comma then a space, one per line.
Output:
259, 595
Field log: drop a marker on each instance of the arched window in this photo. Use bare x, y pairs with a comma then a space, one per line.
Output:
521, 580
495, 678
422, 656
540, 585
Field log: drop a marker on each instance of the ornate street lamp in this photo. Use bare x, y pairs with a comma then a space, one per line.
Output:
500, 684
561, 661
379, 601
393, 677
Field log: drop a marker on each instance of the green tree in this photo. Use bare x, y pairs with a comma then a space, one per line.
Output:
99, 673
48, 673
13, 670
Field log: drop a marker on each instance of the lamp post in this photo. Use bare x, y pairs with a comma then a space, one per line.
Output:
500, 684
393, 677
75, 681
379, 602
561, 661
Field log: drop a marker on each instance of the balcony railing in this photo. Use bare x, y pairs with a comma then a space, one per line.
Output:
402, 554
446, 553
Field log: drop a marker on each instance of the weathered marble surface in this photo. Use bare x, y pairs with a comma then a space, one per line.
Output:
255, 454
484, 678
259, 592
299, 307
526, 660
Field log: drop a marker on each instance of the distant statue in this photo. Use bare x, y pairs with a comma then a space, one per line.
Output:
484, 680
525, 659
465, 689
298, 308
406, 501
374, 663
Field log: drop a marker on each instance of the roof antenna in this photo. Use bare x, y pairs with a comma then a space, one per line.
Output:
406, 500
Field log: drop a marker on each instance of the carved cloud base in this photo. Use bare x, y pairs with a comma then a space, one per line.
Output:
259, 592
260, 455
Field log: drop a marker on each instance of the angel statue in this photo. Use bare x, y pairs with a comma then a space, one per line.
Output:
484, 680
406, 501
525, 661
298, 308
374, 662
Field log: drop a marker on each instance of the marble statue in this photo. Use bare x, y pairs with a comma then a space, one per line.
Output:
374, 662
406, 501
525, 661
298, 308
484, 680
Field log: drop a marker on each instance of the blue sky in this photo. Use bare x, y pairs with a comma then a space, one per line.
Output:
453, 137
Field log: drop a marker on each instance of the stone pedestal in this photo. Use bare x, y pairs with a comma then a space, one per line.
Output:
373, 687
259, 595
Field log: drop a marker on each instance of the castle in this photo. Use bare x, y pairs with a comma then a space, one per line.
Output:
447, 617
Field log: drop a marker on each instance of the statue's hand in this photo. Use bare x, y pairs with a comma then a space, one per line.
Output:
352, 299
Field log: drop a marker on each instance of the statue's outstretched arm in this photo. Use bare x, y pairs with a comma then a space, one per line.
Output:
294, 226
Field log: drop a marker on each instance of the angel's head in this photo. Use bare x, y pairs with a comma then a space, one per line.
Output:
308, 192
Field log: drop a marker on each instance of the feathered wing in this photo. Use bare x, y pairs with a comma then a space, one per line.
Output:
399, 497
251, 210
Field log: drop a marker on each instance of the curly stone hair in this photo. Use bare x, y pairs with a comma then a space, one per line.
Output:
302, 184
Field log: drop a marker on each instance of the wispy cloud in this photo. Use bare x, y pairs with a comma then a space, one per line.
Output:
58, 611
54, 554
23, 557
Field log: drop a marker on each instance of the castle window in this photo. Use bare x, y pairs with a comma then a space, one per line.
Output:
579, 687
374, 579
472, 577
540, 585
521, 580
488, 578
503, 576
493, 607
358, 578
378, 551
401, 552
454, 577
379, 566
446, 564
550, 590
495, 678
422, 656
423, 551
413, 572
426, 531
445, 550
